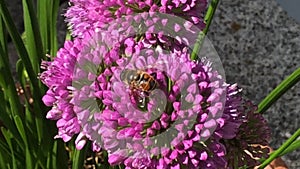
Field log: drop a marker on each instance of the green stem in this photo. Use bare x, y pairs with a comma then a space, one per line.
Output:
23, 53
9, 85
208, 19
279, 91
292, 147
277, 153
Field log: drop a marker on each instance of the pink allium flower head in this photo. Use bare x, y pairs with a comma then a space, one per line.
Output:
58, 77
130, 87
232, 118
251, 140
85, 15
170, 126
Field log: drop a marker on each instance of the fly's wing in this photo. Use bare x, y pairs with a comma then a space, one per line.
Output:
127, 75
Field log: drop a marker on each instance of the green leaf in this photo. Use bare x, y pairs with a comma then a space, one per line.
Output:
283, 87
53, 30
294, 146
8, 83
29, 119
49, 159
62, 156
78, 157
39, 129
6, 119
28, 39
8, 166
4, 148
52, 157
8, 137
21, 129
42, 15
2, 162
41, 158
37, 166
58, 158
281, 149
33, 35
208, 19
3, 37
22, 53
20, 72
6, 151
2, 80
28, 159
47, 16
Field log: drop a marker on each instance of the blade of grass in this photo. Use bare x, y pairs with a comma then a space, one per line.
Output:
3, 37
78, 157
29, 115
41, 158
5, 117
37, 166
47, 16
22, 53
42, 15
29, 39
23, 133
281, 149
28, 159
9, 84
61, 155
294, 146
8, 136
4, 148
7, 81
20, 72
36, 52
2, 162
33, 35
53, 157
8, 122
49, 157
284, 86
27, 63
39, 128
208, 19
29, 118
8, 166
21, 129
52, 25
2, 81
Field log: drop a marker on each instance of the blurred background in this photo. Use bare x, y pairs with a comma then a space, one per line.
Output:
259, 45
